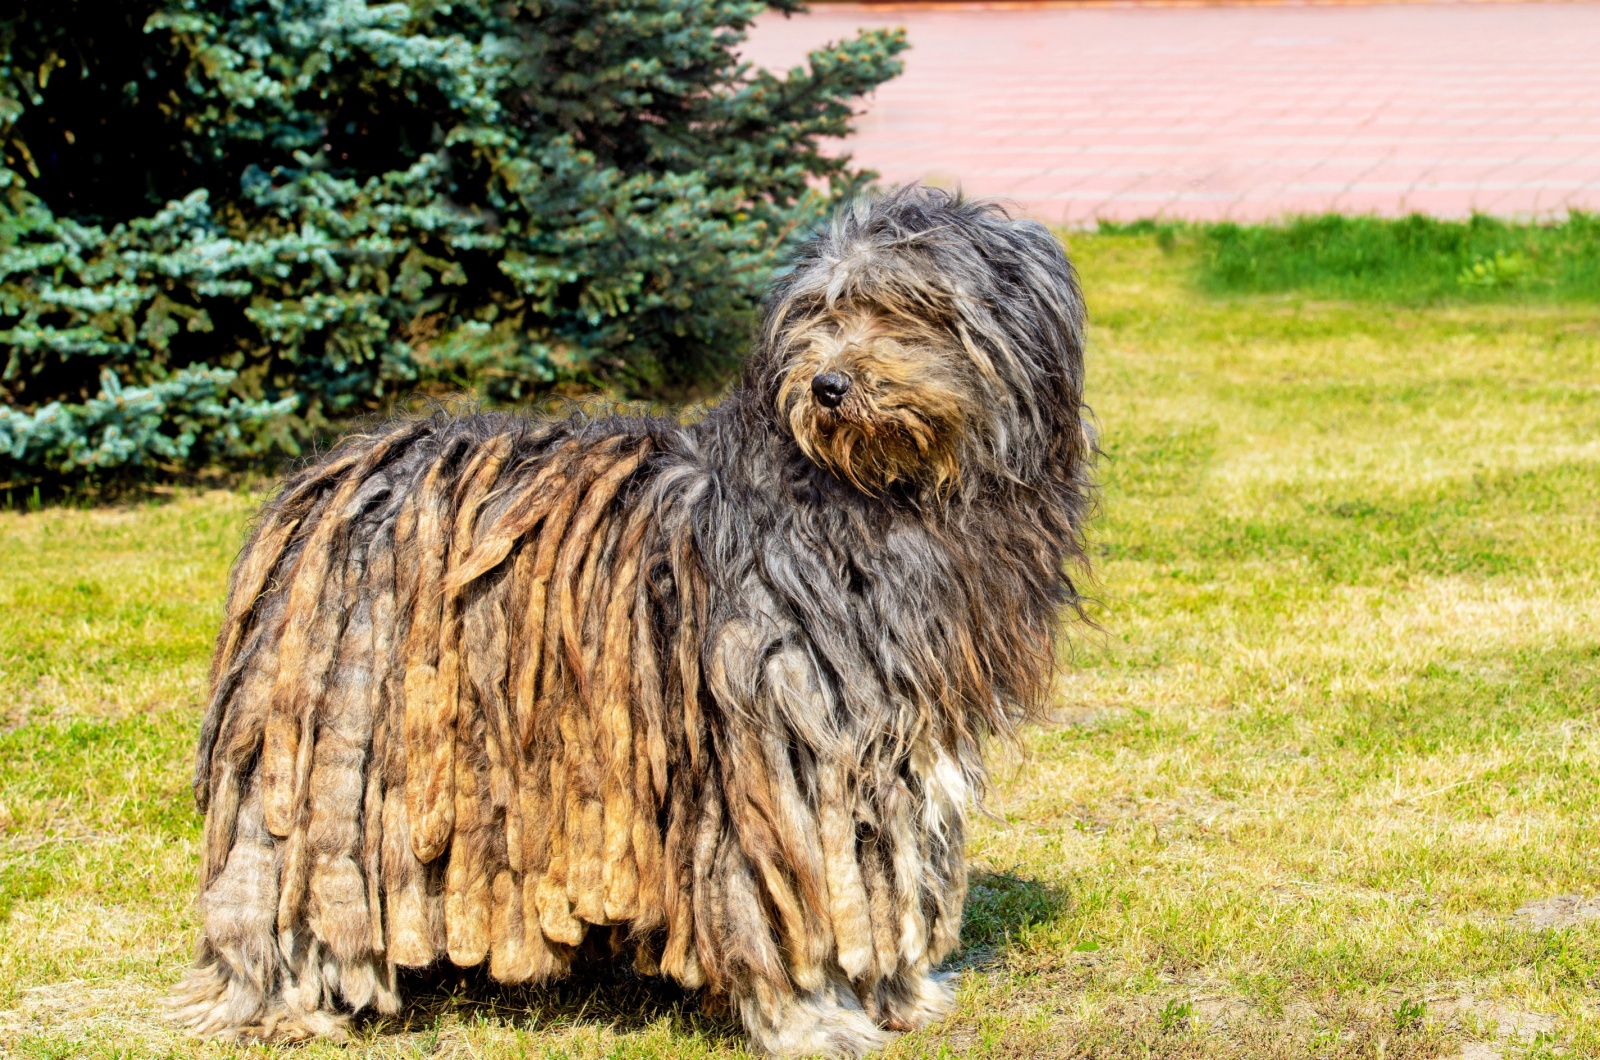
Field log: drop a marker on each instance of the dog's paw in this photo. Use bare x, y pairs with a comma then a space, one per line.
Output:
820, 1024
922, 1002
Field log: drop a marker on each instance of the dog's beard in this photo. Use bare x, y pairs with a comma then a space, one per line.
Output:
904, 415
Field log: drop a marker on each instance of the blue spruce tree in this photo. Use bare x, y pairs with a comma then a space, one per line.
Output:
228, 225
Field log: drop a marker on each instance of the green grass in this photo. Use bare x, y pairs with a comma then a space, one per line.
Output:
1414, 259
1342, 724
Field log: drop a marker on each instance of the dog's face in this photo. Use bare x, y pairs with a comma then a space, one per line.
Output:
876, 396
926, 340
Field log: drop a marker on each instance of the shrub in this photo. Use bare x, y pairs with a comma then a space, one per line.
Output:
226, 225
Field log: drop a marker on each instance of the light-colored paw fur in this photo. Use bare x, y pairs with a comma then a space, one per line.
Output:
209, 1001
825, 1022
920, 1001
212, 1002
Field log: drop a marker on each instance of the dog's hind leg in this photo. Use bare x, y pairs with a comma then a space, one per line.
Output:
828, 1021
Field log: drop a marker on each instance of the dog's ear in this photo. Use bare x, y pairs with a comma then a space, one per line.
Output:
1056, 316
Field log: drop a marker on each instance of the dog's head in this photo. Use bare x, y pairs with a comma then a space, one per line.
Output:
926, 340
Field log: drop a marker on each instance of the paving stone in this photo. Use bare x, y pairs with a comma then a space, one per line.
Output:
1245, 112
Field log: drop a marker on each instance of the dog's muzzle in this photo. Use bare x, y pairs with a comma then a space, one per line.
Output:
830, 388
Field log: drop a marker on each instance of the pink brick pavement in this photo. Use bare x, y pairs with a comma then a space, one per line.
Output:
1241, 112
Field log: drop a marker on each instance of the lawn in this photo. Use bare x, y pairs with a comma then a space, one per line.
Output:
1325, 784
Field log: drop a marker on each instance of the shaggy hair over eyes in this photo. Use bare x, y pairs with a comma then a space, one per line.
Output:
710, 697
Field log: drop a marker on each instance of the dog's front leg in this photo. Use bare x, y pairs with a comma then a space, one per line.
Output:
828, 1021
910, 1001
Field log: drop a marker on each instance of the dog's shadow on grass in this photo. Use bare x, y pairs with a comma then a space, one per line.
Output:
596, 994
1000, 907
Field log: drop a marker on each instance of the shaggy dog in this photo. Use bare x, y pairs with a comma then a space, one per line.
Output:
707, 696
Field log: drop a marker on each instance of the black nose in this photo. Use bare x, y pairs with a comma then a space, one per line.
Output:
830, 388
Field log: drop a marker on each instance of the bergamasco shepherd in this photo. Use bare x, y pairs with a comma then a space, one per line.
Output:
709, 697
